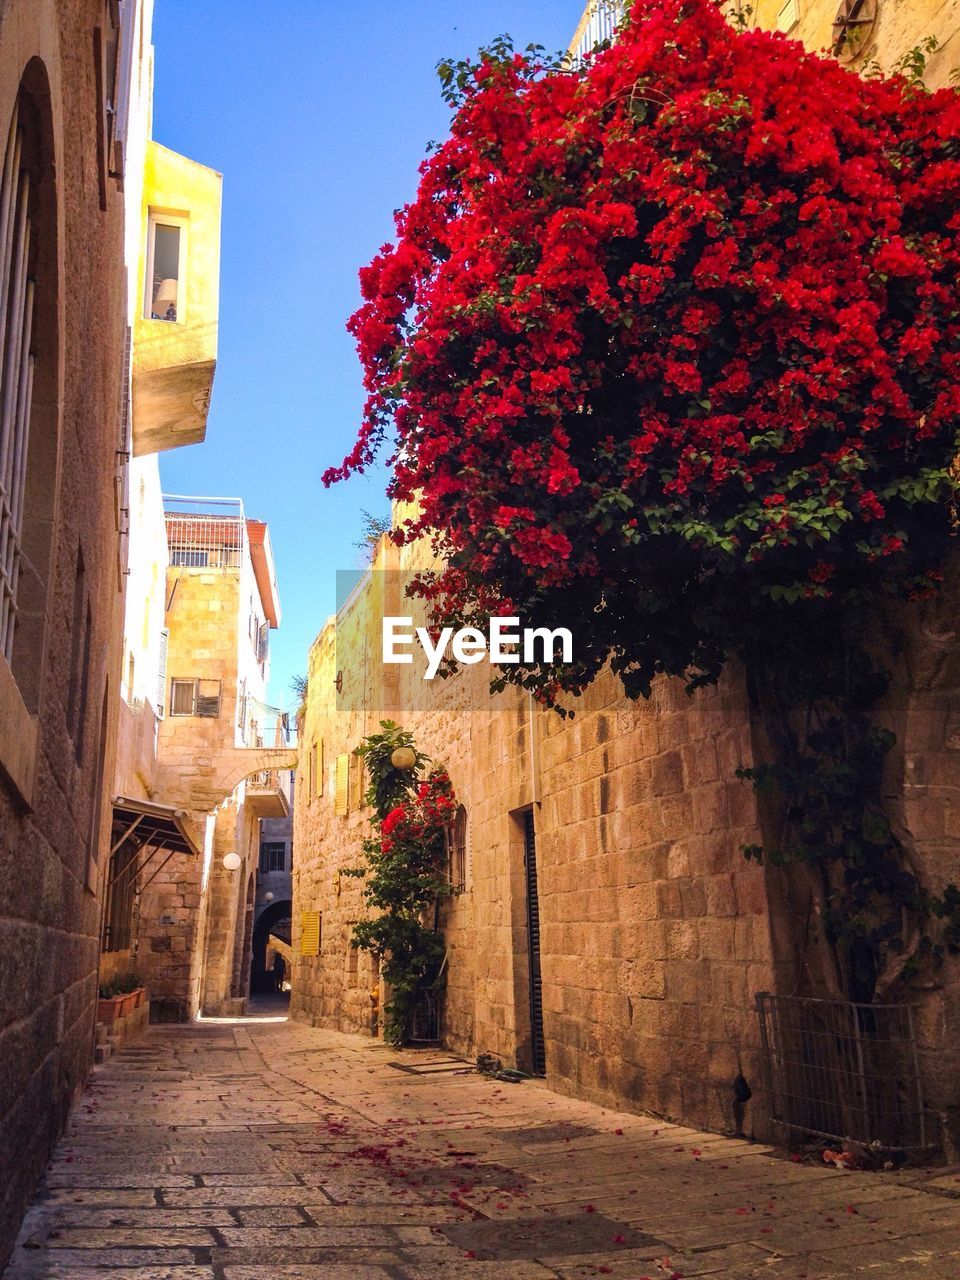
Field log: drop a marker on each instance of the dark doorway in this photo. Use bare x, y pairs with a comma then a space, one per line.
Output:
538, 1052
275, 919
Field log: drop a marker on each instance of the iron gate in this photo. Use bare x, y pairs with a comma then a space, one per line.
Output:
840, 1070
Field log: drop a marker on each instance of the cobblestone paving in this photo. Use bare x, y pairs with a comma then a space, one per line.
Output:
271, 1151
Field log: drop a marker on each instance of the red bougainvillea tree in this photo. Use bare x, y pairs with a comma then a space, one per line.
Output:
668, 350
670, 338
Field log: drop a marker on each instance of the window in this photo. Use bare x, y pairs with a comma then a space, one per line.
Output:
121, 883
273, 856
190, 558
341, 795
318, 748
457, 846
195, 698
165, 276
263, 641
312, 771
183, 697
16, 332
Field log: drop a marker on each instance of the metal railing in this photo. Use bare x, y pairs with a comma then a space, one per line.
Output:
598, 25
842, 1071
205, 533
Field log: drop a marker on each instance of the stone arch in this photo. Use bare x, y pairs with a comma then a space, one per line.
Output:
271, 917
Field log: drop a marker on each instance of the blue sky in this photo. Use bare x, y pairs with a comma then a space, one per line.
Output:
317, 114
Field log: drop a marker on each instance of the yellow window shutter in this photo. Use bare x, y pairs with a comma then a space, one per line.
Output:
357, 780
341, 795
310, 933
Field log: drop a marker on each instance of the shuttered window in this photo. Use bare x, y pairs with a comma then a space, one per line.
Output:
162, 672
318, 748
310, 933
208, 699
341, 794
356, 782
16, 372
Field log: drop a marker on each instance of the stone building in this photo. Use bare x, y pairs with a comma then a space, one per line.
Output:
606, 930
208, 760
63, 319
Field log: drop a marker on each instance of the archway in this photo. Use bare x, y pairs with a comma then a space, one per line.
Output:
276, 919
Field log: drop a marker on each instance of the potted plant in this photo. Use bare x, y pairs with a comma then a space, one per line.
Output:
110, 1002
131, 988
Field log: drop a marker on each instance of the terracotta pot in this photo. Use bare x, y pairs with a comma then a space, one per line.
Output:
129, 1002
141, 994
110, 1009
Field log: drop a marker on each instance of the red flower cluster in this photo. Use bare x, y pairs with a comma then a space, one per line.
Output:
688, 313
421, 818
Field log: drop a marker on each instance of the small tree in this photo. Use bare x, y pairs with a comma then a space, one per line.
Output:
405, 873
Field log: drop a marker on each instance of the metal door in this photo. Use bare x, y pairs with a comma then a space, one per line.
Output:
537, 1046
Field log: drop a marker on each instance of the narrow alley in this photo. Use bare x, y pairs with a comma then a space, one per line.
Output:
261, 1149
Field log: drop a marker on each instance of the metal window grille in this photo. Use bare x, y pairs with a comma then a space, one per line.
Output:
205, 533
841, 1071
183, 697
16, 372
273, 856
263, 641
121, 886
457, 848
598, 25
425, 1018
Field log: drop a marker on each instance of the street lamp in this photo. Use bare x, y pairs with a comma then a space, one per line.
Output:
231, 861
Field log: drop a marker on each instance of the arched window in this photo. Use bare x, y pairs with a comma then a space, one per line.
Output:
29, 379
458, 851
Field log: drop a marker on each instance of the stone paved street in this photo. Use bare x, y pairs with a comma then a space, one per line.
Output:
273, 1151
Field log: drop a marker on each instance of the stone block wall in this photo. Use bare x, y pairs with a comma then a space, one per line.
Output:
51, 829
654, 930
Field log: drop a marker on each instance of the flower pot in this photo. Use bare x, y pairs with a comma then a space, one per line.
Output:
110, 1009
129, 1002
141, 994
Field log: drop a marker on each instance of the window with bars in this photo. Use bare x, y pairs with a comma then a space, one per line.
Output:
457, 850
273, 856
195, 698
17, 366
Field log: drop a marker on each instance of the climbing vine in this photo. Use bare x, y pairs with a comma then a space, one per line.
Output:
404, 873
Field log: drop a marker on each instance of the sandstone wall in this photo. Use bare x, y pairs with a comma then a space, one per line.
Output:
50, 833
654, 930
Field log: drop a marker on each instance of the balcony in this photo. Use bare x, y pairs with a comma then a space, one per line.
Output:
205, 533
268, 793
598, 25
175, 333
